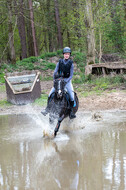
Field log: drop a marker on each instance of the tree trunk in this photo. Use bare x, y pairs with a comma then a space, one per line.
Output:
90, 34
21, 29
76, 13
49, 27
100, 47
60, 39
100, 35
30, 40
10, 33
33, 27
30, 46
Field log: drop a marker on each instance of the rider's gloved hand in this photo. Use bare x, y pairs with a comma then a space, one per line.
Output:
56, 76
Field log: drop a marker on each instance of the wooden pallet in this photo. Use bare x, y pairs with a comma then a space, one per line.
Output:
106, 68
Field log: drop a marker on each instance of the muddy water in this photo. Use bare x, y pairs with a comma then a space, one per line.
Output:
87, 154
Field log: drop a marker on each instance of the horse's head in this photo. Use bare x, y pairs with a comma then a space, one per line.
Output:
59, 85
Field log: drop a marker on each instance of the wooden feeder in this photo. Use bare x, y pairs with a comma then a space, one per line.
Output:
22, 88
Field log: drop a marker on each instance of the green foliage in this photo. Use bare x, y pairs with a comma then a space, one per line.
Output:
4, 103
29, 66
100, 85
81, 78
79, 57
47, 78
4, 66
103, 83
2, 77
59, 52
117, 79
77, 80
50, 66
25, 65
48, 54
108, 18
96, 85
31, 59
2, 88
51, 54
42, 101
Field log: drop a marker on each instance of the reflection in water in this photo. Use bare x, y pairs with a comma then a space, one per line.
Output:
92, 158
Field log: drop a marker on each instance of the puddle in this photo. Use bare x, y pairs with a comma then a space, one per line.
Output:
86, 154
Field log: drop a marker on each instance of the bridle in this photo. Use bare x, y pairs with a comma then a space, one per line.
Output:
59, 87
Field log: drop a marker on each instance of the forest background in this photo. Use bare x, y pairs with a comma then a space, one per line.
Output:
30, 28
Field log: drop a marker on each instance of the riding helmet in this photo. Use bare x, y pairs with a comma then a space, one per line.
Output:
66, 50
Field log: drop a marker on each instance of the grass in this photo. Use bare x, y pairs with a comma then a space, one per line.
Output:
41, 62
42, 101
2, 88
48, 78
90, 93
51, 54
98, 85
4, 103
2, 80
23, 65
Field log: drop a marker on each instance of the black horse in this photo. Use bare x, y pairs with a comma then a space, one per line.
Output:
59, 103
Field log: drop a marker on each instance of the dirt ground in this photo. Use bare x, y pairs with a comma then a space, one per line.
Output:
106, 101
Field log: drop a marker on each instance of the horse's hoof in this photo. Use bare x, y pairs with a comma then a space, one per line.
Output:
72, 116
55, 133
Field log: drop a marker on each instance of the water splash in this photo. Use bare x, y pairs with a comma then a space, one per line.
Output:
42, 122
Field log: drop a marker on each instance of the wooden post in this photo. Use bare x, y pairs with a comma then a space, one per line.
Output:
103, 71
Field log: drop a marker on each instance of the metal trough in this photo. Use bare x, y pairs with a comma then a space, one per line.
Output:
22, 88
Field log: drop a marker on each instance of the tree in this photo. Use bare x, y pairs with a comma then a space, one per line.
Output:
116, 32
90, 33
60, 40
49, 24
21, 28
33, 28
85, 25
11, 33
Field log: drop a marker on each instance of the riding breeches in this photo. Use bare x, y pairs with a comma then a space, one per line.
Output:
69, 89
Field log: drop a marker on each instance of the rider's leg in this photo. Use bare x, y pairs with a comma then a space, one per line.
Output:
70, 91
46, 110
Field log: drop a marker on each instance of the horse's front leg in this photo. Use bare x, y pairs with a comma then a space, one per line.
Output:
58, 124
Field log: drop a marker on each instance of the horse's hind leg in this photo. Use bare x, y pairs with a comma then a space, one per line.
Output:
58, 124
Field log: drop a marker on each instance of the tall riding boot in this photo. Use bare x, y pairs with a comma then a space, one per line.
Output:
46, 110
72, 114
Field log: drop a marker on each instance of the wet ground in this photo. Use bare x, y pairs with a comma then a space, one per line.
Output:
88, 153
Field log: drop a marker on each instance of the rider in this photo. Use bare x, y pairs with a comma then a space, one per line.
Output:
66, 67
